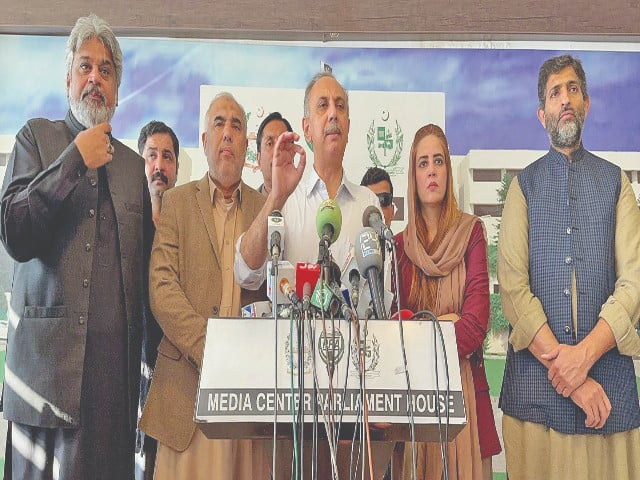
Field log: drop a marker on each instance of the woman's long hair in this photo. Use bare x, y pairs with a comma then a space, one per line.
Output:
423, 288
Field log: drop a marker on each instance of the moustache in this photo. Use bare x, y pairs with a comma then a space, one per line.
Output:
161, 176
333, 128
93, 89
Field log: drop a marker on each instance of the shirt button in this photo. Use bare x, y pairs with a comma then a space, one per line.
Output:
567, 329
87, 247
568, 230
81, 320
566, 292
85, 283
568, 260
215, 310
92, 213
93, 182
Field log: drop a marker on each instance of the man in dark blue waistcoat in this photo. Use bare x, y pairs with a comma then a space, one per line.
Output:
569, 274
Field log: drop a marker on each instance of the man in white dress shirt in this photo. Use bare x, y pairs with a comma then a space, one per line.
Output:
326, 127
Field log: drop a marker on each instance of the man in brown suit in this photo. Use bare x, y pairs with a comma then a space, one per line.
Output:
191, 279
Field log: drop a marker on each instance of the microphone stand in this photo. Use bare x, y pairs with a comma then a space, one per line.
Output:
274, 311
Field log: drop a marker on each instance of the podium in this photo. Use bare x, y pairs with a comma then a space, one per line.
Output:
246, 375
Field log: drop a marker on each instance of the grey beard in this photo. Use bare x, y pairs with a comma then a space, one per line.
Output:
90, 116
566, 136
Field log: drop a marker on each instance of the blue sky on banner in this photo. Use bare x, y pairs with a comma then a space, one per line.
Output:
490, 94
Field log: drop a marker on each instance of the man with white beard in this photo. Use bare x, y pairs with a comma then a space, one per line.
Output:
75, 214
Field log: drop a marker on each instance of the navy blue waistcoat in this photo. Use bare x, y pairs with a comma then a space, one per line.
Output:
571, 209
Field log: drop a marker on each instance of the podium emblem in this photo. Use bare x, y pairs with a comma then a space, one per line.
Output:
291, 350
331, 347
370, 347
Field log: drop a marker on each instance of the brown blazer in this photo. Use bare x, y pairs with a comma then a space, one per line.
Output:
185, 281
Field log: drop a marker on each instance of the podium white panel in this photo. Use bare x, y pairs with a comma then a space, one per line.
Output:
236, 396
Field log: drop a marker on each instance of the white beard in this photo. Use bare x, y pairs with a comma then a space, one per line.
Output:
90, 115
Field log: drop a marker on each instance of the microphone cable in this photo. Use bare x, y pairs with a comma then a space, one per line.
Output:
311, 335
442, 439
295, 459
302, 394
412, 432
274, 309
327, 421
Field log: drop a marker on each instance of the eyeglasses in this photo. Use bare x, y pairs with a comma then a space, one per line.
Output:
385, 199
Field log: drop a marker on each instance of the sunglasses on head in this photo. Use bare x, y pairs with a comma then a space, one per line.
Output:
385, 199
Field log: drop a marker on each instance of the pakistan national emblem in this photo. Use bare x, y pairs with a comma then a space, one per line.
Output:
384, 142
370, 348
291, 350
251, 157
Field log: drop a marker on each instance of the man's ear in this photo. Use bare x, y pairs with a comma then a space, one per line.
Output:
587, 104
541, 117
305, 129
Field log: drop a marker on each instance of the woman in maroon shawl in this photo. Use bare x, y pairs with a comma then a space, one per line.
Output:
442, 257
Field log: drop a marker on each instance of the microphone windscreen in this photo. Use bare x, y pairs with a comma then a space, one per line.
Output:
369, 213
329, 215
367, 250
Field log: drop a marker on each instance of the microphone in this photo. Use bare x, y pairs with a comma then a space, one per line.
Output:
275, 234
369, 258
306, 296
289, 291
373, 218
354, 280
285, 271
329, 221
350, 276
306, 273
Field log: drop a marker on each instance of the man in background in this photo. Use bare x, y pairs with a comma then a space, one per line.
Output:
159, 146
378, 181
270, 129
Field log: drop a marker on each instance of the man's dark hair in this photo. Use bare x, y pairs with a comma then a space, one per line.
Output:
554, 65
154, 127
376, 175
269, 118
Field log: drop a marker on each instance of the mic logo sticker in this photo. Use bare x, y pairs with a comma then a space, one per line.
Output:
369, 244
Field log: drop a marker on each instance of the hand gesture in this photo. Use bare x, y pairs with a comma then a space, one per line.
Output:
592, 399
569, 368
94, 144
285, 175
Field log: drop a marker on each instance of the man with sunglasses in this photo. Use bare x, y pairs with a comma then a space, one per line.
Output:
379, 182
